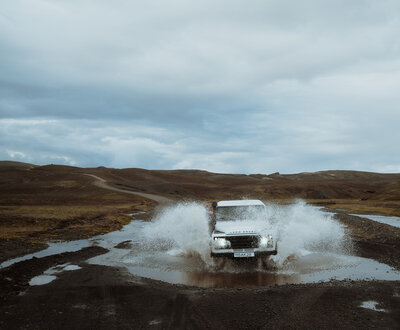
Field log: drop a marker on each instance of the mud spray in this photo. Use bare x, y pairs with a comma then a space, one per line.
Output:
183, 230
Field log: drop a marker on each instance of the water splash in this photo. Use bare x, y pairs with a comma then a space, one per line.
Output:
301, 229
175, 248
183, 230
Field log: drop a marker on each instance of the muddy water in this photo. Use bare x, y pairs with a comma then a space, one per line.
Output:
175, 248
49, 275
391, 221
371, 304
174, 266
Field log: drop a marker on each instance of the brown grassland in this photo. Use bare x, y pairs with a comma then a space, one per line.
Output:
40, 203
43, 203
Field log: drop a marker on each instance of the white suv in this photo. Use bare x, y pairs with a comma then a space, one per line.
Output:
240, 230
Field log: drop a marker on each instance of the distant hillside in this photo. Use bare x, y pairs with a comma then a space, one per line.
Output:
62, 202
203, 185
10, 163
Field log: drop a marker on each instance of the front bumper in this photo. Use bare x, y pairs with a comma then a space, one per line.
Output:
229, 253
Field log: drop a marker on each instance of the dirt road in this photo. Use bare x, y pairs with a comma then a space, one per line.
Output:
101, 183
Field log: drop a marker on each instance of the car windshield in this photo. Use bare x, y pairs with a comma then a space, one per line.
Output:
229, 213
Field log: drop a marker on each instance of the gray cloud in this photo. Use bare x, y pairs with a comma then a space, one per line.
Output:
226, 86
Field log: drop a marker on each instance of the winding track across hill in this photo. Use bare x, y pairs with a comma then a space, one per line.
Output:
102, 183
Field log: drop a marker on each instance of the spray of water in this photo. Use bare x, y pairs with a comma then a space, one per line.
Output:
301, 229
183, 230
175, 247
180, 230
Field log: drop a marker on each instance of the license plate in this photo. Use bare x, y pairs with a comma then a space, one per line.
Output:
243, 254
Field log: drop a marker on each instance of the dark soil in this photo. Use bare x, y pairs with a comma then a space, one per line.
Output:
16, 247
15, 278
124, 245
98, 297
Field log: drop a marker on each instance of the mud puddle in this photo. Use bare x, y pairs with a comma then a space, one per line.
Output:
107, 241
372, 305
391, 221
174, 248
178, 267
50, 274
388, 220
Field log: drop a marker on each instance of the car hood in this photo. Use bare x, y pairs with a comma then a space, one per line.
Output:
239, 227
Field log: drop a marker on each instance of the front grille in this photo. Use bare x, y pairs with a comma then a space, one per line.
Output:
243, 242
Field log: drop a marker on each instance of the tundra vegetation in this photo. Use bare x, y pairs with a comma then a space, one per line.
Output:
39, 203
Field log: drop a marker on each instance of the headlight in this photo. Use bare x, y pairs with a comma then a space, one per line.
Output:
266, 241
263, 241
221, 243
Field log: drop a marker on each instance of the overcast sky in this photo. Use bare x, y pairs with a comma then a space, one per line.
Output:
225, 86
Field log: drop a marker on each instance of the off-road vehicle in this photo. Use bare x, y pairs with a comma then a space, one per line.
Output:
239, 229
